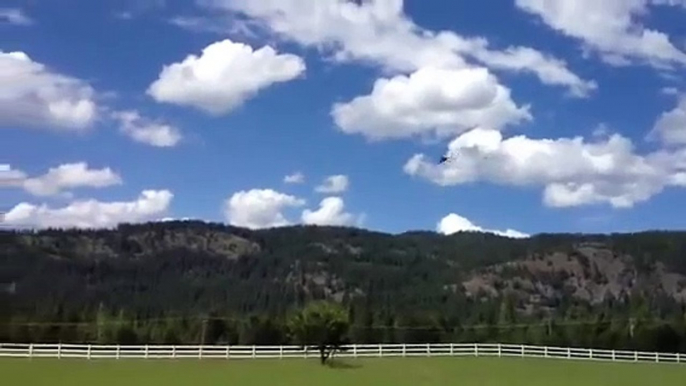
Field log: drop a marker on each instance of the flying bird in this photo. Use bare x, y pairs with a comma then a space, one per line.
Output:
446, 158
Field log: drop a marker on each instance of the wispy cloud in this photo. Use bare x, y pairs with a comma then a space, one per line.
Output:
217, 25
138, 7
295, 178
14, 16
124, 15
198, 24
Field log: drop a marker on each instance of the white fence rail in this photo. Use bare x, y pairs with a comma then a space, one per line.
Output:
352, 351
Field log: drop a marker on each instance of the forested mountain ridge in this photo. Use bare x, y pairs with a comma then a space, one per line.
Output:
190, 268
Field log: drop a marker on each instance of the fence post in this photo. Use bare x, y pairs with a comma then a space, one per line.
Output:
380, 350
254, 351
569, 352
404, 350
59, 351
173, 351
635, 356
500, 350
146, 351
355, 350
614, 356
476, 349
590, 353
200, 352
280, 352
452, 349
545, 351
428, 349
118, 351
31, 350
228, 351
89, 351
678, 357
657, 357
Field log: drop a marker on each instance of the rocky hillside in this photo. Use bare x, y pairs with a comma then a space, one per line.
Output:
590, 272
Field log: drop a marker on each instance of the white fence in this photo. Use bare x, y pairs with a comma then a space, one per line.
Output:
351, 351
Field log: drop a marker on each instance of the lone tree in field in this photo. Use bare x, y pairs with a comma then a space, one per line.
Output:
320, 325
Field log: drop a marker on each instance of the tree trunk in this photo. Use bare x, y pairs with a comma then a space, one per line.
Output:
324, 353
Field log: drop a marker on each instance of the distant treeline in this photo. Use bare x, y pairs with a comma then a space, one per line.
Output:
600, 332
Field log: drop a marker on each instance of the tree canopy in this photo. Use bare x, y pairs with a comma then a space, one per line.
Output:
321, 325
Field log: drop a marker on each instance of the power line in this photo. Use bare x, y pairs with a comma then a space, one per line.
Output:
549, 324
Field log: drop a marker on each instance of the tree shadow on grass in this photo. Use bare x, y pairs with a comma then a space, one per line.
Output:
339, 364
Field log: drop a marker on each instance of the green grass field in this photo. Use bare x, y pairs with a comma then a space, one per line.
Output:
376, 372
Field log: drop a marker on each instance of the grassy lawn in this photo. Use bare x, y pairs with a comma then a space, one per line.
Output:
376, 372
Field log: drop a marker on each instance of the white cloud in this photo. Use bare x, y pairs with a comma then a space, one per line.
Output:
610, 27
375, 31
264, 208
331, 212
150, 204
33, 95
14, 16
146, 131
259, 208
10, 177
431, 100
671, 125
573, 171
454, 223
669, 91
71, 176
379, 32
550, 70
295, 178
59, 179
334, 184
224, 76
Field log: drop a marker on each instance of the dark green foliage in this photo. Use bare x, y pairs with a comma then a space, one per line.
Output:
321, 325
200, 283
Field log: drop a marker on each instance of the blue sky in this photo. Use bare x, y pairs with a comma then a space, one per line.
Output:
559, 115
